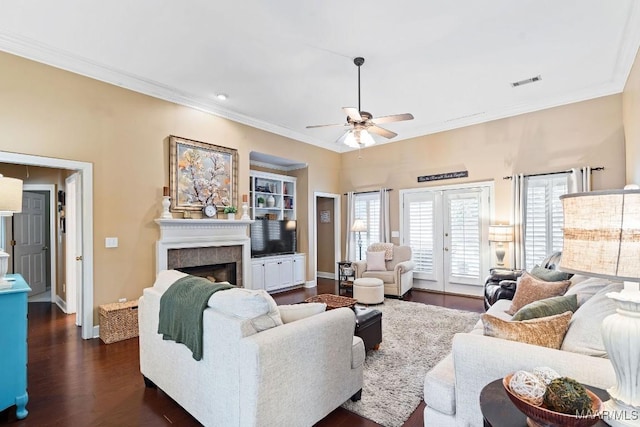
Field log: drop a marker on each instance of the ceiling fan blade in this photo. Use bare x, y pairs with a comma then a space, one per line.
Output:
392, 118
322, 126
353, 113
382, 131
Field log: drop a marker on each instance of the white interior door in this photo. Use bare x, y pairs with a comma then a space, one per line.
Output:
447, 232
73, 243
30, 250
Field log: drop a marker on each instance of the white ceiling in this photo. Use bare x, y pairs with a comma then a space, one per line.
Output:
287, 64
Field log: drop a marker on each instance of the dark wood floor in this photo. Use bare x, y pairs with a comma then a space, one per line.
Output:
87, 383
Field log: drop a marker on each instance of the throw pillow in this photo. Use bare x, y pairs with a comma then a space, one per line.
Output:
549, 275
547, 307
256, 305
584, 334
545, 331
531, 289
293, 312
387, 248
587, 288
375, 261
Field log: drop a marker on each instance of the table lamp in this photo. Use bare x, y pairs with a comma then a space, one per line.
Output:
10, 203
358, 226
500, 234
602, 239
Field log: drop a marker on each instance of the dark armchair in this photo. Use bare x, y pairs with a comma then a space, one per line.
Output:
501, 282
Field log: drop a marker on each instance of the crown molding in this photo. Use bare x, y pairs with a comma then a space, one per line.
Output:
278, 167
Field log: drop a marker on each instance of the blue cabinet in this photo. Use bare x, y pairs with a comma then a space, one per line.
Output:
13, 341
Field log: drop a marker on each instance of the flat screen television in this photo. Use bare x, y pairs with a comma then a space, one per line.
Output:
273, 237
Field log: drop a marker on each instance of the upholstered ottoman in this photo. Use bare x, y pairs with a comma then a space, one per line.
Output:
368, 290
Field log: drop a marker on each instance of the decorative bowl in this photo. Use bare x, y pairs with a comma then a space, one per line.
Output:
539, 416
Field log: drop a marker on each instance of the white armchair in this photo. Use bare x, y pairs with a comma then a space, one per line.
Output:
398, 276
293, 375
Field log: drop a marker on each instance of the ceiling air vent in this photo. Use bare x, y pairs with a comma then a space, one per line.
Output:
527, 81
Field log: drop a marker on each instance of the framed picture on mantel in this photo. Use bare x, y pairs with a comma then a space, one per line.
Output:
201, 174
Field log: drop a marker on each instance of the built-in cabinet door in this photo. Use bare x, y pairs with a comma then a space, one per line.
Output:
257, 275
286, 272
271, 275
298, 269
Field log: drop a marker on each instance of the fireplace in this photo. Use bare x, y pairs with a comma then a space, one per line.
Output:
215, 272
206, 247
223, 263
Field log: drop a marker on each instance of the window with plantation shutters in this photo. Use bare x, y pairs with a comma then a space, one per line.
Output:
543, 217
367, 208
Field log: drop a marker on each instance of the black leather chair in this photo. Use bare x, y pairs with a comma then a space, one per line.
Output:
501, 282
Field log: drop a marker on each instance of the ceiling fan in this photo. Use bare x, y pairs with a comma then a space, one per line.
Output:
363, 122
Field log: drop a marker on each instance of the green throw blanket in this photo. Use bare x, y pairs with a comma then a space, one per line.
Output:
181, 311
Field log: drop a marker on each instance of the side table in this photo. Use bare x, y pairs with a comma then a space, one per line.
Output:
498, 410
345, 271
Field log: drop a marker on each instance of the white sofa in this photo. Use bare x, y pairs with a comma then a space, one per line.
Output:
289, 375
452, 388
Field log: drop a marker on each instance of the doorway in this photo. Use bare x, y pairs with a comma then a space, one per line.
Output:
85, 222
34, 231
327, 234
447, 228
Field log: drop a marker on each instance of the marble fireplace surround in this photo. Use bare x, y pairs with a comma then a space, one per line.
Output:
206, 233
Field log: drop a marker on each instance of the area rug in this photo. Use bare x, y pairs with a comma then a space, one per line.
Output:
415, 337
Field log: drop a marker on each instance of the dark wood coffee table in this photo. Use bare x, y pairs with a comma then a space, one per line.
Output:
498, 410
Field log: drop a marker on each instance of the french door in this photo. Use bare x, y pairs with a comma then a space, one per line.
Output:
447, 232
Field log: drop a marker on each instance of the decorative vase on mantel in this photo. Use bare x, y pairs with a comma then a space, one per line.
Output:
231, 216
271, 201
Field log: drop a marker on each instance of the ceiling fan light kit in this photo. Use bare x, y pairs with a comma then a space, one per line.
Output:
363, 123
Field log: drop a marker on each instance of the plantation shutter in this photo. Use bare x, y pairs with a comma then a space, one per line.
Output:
465, 228
419, 219
543, 217
367, 208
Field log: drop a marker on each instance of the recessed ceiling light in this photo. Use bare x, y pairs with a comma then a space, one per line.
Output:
221, 97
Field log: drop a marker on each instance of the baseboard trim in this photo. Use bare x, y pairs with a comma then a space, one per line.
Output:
96, 331
310, 284
326, 275
62, 304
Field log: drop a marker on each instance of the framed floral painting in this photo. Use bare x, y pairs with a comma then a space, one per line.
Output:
201, 174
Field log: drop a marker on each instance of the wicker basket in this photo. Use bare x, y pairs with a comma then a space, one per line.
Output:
118, 321
333, 301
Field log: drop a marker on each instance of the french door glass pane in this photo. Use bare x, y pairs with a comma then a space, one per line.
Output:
421, 225
465, 236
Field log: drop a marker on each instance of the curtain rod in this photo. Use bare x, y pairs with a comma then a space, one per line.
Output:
370, 191
599, 168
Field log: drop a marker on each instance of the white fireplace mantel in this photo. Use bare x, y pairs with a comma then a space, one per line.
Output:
194, 233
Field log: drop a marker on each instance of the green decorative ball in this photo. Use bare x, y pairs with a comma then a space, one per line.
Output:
567, 396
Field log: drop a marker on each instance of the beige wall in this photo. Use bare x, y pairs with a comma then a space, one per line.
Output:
580, 134
631, 119
49, 112
326, 236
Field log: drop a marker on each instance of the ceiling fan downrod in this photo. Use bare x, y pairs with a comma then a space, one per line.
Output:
359, 61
